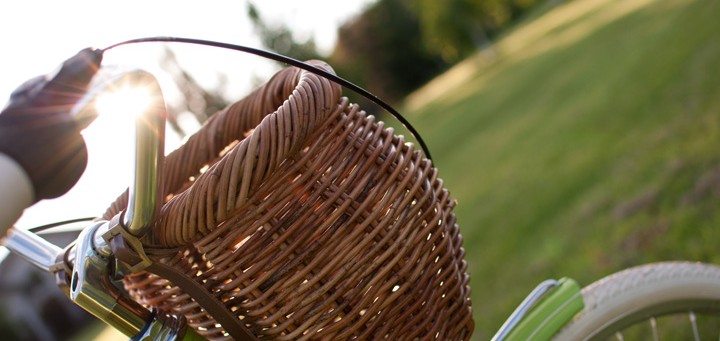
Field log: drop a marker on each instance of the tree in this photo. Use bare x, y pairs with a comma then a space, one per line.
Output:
382, 50
456, 28
278, 38
195, 99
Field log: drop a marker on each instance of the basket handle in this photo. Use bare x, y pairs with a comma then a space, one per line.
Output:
280, 116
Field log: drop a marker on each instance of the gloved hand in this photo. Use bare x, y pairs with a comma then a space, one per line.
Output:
38, 131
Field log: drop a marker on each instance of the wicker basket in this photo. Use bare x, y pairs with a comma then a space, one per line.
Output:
308, 219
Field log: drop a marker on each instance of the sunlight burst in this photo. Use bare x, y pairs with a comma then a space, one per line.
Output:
127, 100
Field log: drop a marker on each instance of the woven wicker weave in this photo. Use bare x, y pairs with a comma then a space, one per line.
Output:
317, 223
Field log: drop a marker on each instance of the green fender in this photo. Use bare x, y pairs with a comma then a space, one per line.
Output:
550, 314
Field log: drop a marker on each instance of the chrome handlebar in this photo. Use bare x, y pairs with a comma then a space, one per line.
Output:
31, 247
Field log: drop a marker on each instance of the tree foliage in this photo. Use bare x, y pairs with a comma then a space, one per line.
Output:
382, 50
194, 100
455, 28
395, 46
279, 38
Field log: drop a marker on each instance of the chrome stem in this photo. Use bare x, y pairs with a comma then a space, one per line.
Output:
92, 289
90, 285
145, 192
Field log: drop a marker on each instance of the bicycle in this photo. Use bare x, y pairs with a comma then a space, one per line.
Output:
404, 276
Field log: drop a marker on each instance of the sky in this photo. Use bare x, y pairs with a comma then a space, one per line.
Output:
36, 36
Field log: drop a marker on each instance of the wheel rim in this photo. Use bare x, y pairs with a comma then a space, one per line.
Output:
690, 318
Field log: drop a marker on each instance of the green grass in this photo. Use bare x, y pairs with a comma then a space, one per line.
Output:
587, 144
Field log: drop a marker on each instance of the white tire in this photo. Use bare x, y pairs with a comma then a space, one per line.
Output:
639, 294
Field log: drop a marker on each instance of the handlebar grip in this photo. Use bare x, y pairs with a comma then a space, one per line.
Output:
38, 131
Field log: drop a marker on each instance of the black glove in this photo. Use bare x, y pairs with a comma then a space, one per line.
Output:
37, 130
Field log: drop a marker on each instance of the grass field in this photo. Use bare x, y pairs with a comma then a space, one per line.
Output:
584, 143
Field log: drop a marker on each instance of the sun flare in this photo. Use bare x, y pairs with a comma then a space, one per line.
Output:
127, 101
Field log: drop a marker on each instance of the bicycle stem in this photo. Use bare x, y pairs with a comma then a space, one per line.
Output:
145, 195
91, 288
90, 284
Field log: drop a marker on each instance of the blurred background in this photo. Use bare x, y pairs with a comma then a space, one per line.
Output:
579, 137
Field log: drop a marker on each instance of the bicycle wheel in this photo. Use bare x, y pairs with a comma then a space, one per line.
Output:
670, 300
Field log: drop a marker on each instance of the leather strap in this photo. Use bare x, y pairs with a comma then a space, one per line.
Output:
237, 330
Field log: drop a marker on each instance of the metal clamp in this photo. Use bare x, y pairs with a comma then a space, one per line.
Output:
115, 229
91, 288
